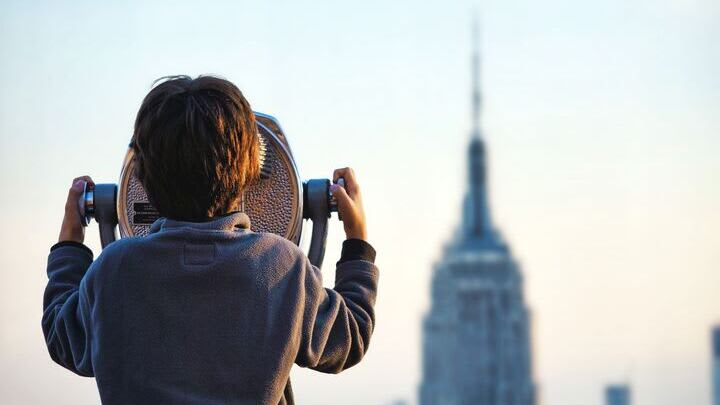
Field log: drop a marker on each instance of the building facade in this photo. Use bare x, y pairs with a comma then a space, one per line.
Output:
617, 395
476, 336
716, 364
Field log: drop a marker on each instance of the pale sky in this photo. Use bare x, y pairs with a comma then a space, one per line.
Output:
602, 120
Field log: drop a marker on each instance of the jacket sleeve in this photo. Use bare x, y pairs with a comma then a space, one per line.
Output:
66, 312
338, 322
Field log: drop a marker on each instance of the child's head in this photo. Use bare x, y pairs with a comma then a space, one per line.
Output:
196, 147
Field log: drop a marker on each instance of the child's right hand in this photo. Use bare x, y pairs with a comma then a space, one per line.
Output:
349, 201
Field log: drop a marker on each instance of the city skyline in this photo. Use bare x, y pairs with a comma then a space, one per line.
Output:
715, 342
618, 394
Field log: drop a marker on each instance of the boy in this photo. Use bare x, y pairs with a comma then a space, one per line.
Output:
203, 310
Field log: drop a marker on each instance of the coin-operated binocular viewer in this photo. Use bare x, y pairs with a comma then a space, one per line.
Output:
278, 202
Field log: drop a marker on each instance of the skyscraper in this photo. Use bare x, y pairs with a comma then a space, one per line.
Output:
716, 364
476, 337
617, 395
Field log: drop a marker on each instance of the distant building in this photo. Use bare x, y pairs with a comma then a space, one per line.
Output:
617, 395
476, 337
716, 364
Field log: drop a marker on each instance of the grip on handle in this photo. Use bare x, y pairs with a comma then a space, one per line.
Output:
86, 204
99, 202
333, 201
317, 209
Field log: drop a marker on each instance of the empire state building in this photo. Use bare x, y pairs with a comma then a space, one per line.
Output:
476, 336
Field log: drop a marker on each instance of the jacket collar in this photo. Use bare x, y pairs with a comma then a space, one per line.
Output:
229, 222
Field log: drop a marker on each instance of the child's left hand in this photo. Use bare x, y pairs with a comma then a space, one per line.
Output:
72, 229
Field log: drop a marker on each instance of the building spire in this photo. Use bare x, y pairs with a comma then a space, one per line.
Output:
476, 214
476, 97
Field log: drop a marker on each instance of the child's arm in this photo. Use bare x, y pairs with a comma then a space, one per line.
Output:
66, 315
338, 322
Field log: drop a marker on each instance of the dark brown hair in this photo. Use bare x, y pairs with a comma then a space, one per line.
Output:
196, 147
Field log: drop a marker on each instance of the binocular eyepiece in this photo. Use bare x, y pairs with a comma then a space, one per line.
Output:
278, 202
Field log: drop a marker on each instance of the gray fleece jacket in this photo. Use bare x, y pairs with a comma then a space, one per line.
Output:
205, 313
